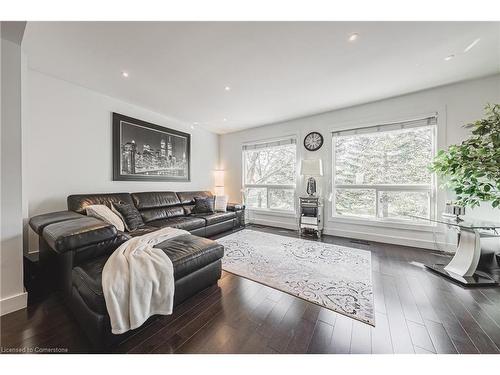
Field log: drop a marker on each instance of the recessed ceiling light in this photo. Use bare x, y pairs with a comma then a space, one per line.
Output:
470, 46
224, 119
448, 58
227, 88
194, 125
353, 37
125, 74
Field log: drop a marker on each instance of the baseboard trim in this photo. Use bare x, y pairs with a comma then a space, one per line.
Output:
394, 240
13, 303
273, 223
404, 241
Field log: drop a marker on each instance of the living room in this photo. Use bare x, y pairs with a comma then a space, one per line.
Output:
265, 187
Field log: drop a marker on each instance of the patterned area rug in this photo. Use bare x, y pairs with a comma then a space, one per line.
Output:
332, 276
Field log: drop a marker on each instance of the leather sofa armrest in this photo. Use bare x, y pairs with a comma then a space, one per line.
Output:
235, 207
73, 234
39, 222
123, 235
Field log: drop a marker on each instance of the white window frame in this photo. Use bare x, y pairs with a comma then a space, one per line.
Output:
269, 187
378, 188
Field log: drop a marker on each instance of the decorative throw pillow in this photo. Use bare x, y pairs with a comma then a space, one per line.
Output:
221, 203
203, 205
104, 213
188, 210
129, 214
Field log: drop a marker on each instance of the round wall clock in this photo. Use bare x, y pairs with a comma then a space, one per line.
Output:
313, 141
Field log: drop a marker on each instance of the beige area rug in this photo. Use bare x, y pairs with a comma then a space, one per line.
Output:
335, 277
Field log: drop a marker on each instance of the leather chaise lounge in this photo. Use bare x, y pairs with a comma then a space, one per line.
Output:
75, 247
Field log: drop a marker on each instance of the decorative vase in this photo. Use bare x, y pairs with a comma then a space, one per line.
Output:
311, 186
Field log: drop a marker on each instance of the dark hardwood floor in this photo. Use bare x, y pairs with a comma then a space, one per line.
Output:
416, 312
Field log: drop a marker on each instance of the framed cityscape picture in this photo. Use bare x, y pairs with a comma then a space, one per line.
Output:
148, 152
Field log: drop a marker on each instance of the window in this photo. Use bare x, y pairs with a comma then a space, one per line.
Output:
269, 175
381, 172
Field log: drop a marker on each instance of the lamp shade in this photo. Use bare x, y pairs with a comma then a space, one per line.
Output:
219, 178
311, 167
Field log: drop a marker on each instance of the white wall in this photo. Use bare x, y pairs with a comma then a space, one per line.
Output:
12, 67
68, 146
456, 105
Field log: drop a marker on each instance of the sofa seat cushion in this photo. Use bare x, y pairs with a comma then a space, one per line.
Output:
217, 217
182, 222
188, 254
144, 229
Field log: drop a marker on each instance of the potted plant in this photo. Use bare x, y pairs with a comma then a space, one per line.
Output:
472, 168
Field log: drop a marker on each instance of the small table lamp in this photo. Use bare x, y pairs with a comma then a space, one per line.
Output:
312, 168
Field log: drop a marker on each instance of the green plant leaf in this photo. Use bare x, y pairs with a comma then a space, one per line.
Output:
472, 168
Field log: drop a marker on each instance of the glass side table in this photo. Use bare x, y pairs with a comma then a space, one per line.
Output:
463, 266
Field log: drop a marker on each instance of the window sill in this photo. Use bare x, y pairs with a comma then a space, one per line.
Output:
265, 211
419, 226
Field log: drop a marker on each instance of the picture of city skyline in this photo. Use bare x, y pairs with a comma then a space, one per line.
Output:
147, 151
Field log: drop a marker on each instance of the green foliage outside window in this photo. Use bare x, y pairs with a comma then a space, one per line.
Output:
472, 168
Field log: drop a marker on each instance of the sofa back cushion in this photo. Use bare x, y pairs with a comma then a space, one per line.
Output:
203, 205
187, 197
161, 213
151, 205
78, 202
129, 214
155, 199
157, 205
104, 213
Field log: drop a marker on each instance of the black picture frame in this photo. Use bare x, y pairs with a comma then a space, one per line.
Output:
169, 153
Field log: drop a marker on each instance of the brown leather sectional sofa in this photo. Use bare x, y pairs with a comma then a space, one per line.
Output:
75, 247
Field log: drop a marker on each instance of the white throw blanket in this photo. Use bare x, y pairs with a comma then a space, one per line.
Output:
138, 280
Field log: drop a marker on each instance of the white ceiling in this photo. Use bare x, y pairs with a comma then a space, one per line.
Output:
276, 70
